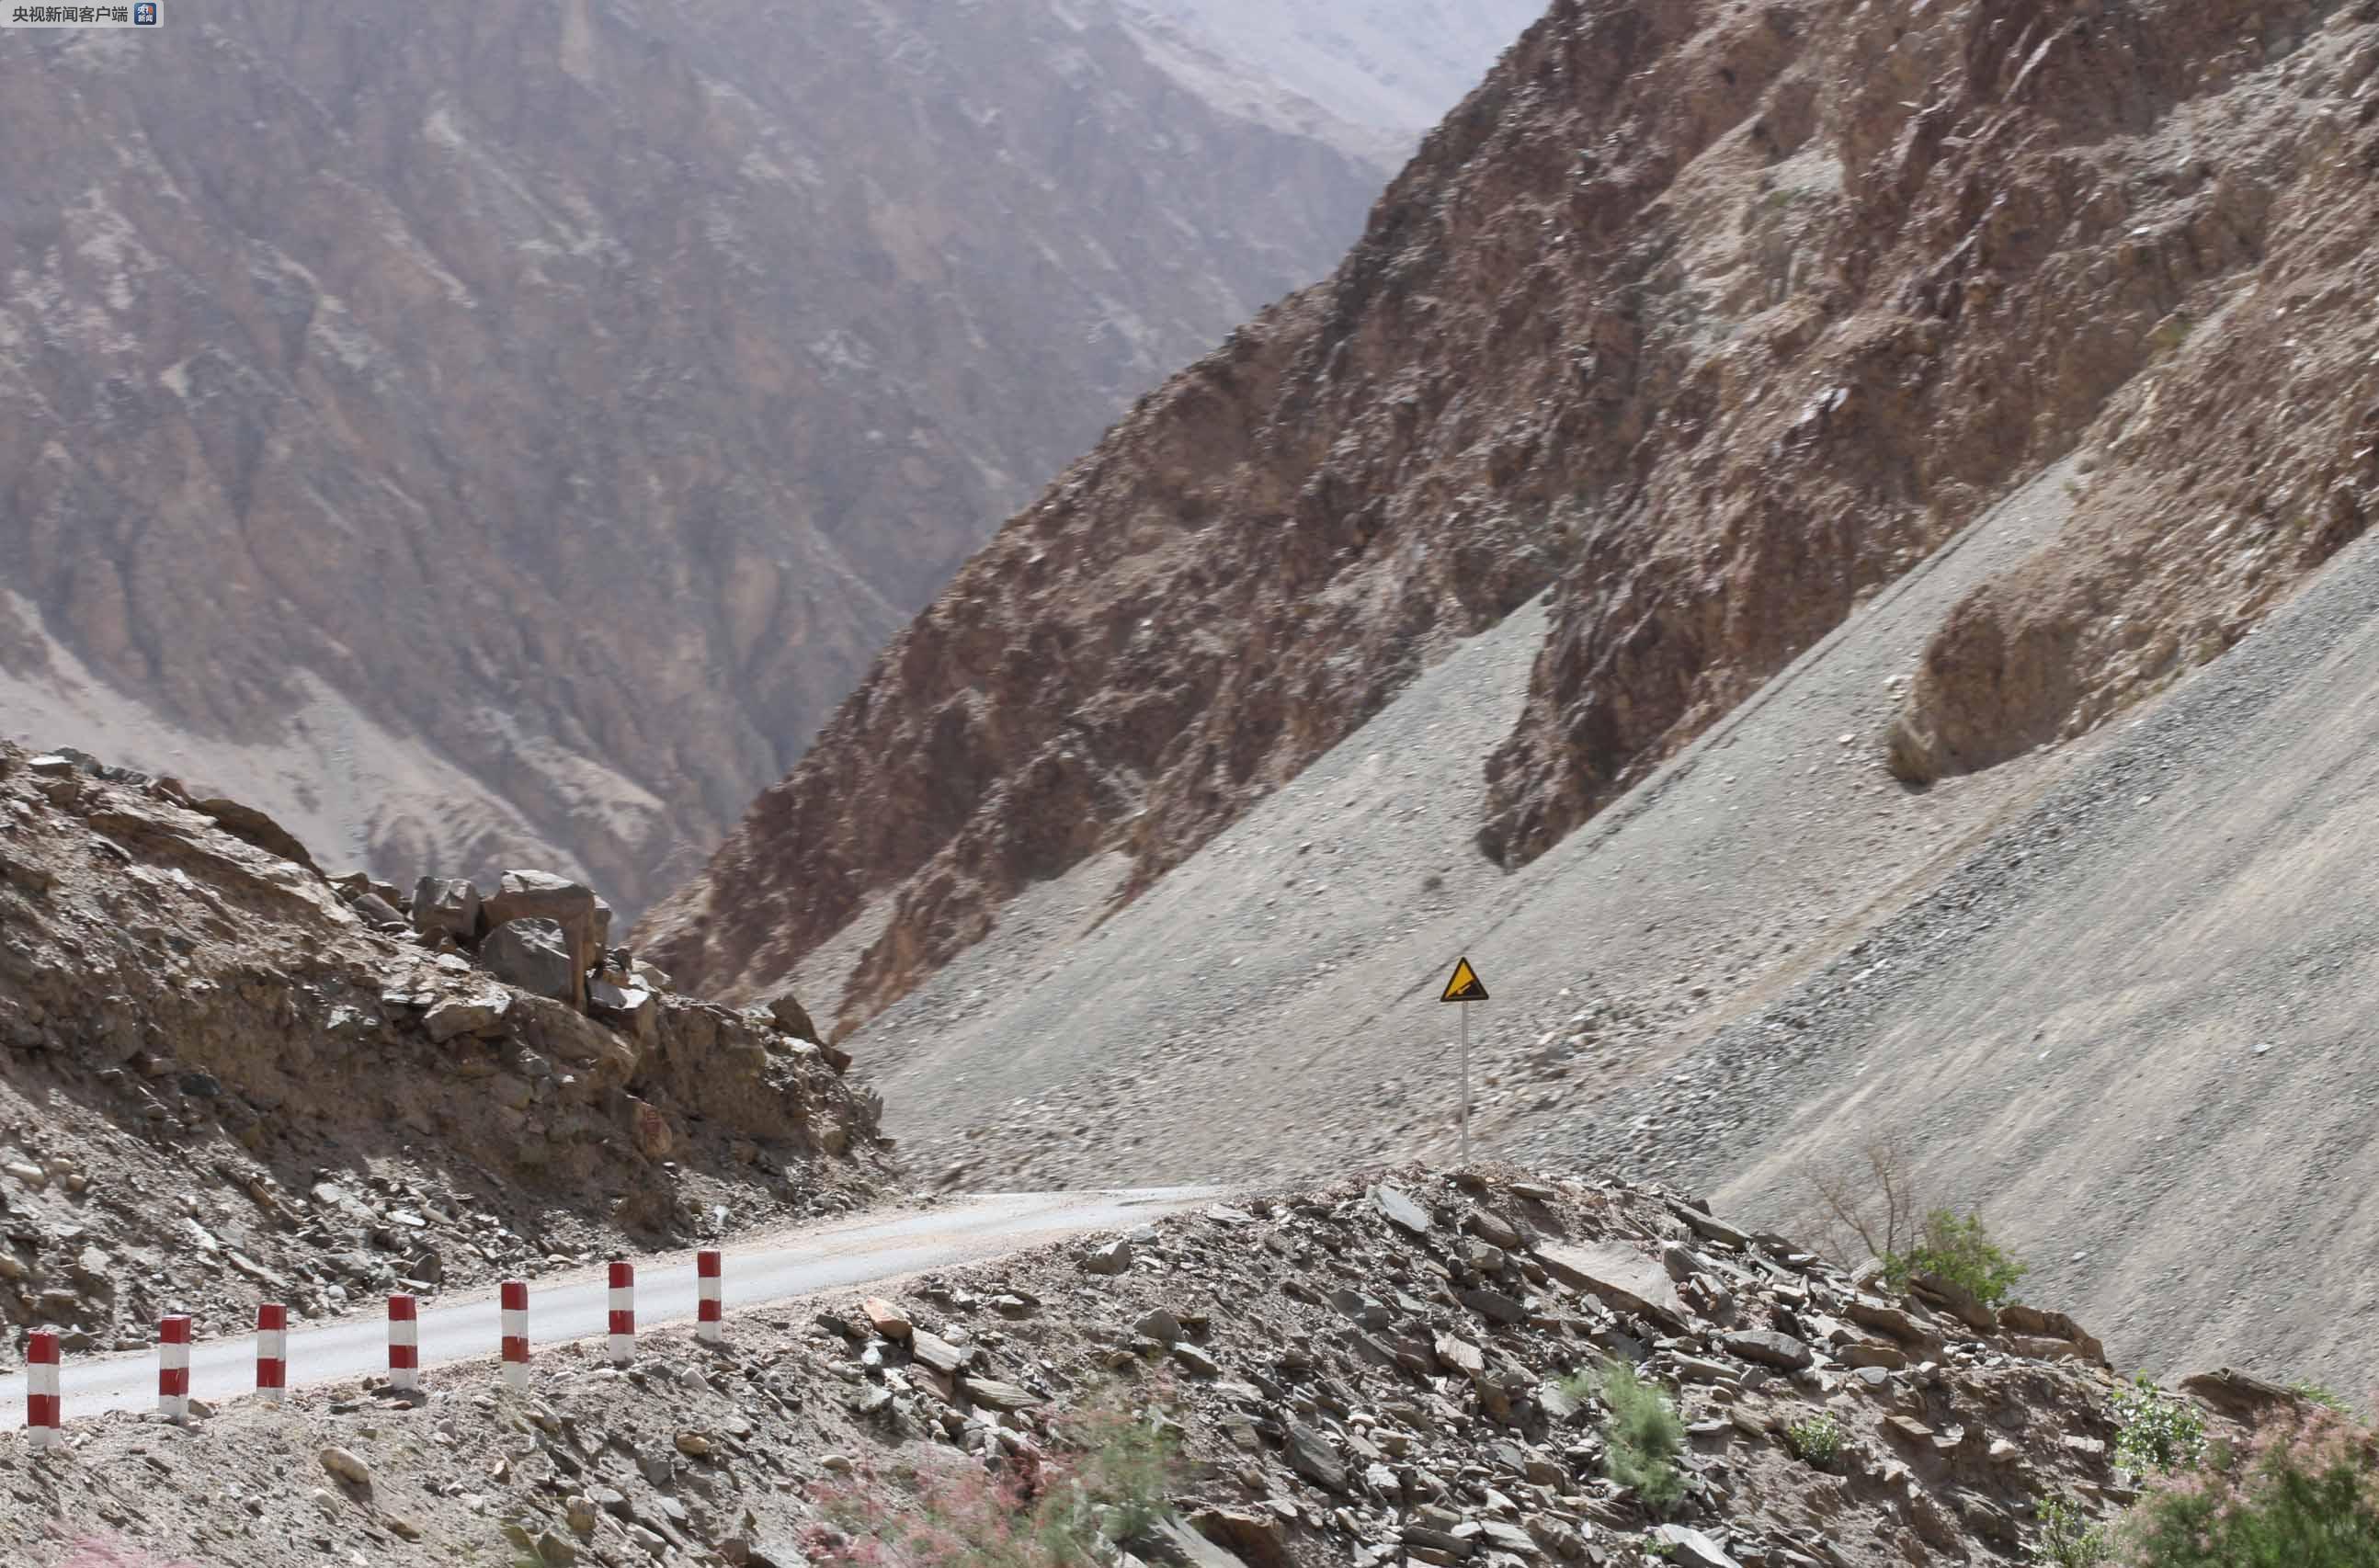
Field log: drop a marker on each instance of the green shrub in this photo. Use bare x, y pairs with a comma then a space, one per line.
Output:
1644, 1437
1122, 1469
2161, 1434
1815, 1441
2304, 1494
2069, 1538
1961, 1252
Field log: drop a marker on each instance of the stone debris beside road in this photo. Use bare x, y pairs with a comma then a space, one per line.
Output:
1339, 1364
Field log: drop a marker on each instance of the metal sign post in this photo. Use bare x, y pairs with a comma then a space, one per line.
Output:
1465, 987
1466, 1083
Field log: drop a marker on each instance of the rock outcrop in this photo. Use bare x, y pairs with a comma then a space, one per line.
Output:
502, 441
207, 1045
1712, 321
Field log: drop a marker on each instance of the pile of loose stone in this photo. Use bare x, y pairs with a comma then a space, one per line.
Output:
1385, 1371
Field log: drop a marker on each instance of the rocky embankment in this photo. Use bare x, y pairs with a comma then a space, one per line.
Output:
224, 1075
1376, 1372
1711, 319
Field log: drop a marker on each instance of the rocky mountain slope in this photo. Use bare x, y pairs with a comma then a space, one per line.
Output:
1363, 1372
502, 443
1781, 939
1713, 321
211, 1052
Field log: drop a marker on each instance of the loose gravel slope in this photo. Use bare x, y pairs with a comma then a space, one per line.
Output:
2135, 1027
1270, 1007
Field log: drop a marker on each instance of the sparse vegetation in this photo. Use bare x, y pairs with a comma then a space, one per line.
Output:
1868, 1203
2070, 1537
1109, 1484
2320, 1393
2161, 1434
1874, 1203
2304, 1494
1641, 1445
1961, 1252
1815, 1441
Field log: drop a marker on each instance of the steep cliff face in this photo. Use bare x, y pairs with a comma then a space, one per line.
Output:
504, 438
1711, 319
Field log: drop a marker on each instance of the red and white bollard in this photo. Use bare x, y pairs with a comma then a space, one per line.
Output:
709, 1312
404, 1346
514, 1296
42, 1391
271, 1352
624, 1312
174, 1368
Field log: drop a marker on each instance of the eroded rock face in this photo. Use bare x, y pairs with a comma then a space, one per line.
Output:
556, 405
188, 1009
1713, 320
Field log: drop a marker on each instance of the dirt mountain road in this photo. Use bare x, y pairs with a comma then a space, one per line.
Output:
576, 1306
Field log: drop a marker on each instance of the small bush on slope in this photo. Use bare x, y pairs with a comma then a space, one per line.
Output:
1815, 1441
2159, 1433
1961, 1252
1873, 1201
2068, 1538
2304, 1494
1641, 1445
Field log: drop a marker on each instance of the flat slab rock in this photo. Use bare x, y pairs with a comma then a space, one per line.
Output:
1401, 1211
1692, 1547
998, 1396
1769, 1348
1619, 1274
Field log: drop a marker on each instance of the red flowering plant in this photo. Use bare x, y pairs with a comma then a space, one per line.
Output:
1105, 1478
2302, 1493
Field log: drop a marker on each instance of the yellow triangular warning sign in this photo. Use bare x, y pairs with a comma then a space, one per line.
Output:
1465, 985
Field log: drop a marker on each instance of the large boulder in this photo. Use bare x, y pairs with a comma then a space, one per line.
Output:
573, 906
445, 906
534, 955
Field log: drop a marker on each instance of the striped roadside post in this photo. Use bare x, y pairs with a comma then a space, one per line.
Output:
710, 1313
174, 1368
42, 1390
624, 1312
271, 1352
515, 1333
404, 1344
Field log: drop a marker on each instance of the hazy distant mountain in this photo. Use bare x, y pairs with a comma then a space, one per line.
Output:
505, 437
1392, 67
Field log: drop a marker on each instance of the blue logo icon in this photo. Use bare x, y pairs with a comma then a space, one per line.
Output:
145, 13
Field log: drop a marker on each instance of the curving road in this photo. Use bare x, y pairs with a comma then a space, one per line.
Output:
575, 1306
